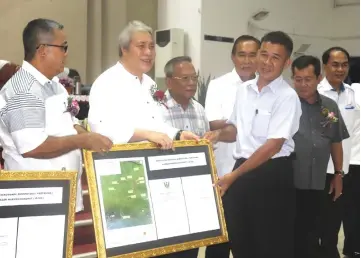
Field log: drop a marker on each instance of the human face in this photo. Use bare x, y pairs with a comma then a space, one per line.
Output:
271, 60
305, 82
54, 53
337, 67
141, 52
244, 59
183, 83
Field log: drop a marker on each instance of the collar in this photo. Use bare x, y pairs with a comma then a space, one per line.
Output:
41, 78
235, 77
328, 86
170, 101
127, 73
273, 85
318, 100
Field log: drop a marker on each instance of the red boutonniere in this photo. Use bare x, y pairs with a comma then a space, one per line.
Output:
158, 96
73, 106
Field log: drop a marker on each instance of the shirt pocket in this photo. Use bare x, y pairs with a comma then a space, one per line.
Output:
348, 116
260, 123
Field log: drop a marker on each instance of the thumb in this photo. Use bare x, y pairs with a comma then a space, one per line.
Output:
332, 187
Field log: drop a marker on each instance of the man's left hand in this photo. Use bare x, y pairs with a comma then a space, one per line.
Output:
225, 182
186, 135
336, 186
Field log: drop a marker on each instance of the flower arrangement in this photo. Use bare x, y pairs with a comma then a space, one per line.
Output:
158, 95
68, 83
73, 106
329, 117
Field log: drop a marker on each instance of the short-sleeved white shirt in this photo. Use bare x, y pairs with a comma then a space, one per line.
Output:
273, 113
32, 107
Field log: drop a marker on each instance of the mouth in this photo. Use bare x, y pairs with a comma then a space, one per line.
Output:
340, 76
147, 61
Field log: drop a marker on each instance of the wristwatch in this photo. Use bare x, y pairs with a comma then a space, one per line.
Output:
178, 135
340, 172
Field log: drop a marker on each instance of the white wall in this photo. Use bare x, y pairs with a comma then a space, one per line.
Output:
184, 14
321, 25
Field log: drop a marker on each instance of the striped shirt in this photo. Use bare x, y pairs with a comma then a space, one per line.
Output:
32, 108
192, 119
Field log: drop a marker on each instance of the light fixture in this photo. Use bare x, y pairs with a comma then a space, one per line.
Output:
260, 15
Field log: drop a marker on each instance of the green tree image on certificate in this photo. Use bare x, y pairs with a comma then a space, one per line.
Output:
125, 196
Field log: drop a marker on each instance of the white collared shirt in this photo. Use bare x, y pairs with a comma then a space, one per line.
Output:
119, 103
221, 96
273, 113
32, 108
355, 134
348, 108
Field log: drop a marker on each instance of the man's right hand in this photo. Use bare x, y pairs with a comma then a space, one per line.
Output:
161, 139
212, 136
96, 142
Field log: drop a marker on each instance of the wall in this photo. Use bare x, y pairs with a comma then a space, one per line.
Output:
92, 27
184, 14
15, 14
321, 24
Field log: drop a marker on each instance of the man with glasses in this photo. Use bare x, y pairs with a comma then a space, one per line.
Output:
336, 67
317, 138
181, 110
122, 101
37, 131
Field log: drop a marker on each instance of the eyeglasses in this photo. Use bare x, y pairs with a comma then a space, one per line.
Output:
187, 78
64, 47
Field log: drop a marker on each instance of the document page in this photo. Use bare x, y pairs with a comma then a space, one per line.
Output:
169, 207
201, 203
41, 237
8, 236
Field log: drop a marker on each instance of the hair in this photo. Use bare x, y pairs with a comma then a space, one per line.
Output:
72, 73
6, 72
169, 66
126, 35
34, 32
244, 38
281, 38
303, 62
327, 53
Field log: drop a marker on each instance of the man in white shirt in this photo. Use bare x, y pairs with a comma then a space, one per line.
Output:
36, 130
336, 66
259, 195
351, 193
122, 101
221, 96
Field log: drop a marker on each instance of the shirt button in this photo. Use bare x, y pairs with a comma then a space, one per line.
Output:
147, 102
314, 144
153, 117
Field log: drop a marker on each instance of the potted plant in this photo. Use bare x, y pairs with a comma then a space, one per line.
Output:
203, 83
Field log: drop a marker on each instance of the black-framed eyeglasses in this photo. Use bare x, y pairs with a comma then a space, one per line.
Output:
64, 47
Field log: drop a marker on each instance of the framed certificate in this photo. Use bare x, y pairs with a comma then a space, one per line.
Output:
147, 202
37, 214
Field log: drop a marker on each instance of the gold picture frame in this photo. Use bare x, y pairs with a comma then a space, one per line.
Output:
70, 176
96, 211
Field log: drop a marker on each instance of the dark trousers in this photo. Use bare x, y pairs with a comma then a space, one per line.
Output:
260, 211
351, 211
218, 251
330, 222
193, 253
307, 217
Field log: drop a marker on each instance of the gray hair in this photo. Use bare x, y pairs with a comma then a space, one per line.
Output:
126, 35
169, 66
38, 31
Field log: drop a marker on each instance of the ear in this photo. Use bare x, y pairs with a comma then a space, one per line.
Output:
168, 83
42, 50
288, 63
233, 58
319, 79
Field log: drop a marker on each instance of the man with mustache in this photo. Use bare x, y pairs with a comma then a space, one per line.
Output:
37, 131
181, 111
336, 66
121, 100
259, 194
221, 95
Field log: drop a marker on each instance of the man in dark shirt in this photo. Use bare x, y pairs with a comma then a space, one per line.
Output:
320, 134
